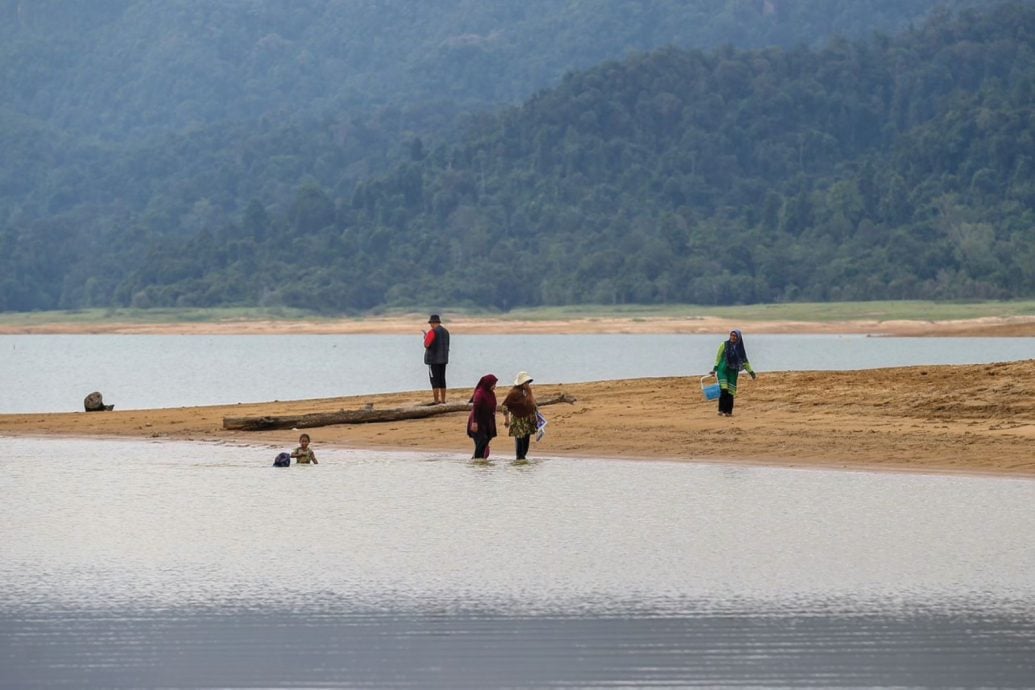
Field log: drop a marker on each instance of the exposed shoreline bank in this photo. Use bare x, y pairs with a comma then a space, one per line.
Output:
993, 326
977, 419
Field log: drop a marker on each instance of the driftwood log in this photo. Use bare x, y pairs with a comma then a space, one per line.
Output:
365, 416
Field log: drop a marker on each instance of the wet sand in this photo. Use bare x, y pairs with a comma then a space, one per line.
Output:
974, 418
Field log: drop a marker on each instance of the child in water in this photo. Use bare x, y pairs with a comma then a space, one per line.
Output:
304, 454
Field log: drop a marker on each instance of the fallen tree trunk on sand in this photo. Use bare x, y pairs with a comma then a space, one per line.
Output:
366, 416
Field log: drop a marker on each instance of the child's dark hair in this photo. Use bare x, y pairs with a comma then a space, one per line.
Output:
306, 437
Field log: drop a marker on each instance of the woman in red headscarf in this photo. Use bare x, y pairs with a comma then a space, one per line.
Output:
481, 423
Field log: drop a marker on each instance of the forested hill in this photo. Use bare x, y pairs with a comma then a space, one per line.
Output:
885, 167
128, 69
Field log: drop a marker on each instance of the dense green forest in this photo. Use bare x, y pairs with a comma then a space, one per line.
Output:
882, 166
125, 69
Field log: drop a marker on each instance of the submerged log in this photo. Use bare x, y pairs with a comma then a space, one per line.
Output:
364, 416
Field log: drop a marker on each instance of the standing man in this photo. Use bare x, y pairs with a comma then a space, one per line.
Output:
436, 356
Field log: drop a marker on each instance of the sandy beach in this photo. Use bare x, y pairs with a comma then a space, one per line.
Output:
974, 419
995, 326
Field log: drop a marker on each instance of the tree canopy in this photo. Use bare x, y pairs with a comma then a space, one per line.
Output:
874, 167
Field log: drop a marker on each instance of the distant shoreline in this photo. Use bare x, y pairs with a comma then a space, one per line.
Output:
993, 326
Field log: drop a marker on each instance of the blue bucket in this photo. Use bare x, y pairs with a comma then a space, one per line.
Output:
710, 392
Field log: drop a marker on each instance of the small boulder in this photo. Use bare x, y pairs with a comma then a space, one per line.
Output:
94, 402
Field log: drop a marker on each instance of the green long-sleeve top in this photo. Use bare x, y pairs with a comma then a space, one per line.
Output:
720, 360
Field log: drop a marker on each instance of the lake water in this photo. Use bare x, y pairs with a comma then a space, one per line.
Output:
131, 564
53, 373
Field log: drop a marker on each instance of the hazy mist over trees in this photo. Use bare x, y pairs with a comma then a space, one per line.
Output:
350, 155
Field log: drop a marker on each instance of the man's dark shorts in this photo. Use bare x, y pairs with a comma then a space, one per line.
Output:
438, 375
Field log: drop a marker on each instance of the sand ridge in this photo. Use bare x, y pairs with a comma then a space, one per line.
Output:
973, 418
978, 418
1017, 326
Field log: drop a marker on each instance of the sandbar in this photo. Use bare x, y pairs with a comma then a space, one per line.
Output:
977, 419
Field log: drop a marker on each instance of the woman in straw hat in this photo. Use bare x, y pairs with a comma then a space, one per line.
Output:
519, 413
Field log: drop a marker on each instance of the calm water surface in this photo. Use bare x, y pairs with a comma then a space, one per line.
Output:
138, 564
53, 373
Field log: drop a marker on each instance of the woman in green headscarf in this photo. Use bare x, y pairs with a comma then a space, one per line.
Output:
732, 357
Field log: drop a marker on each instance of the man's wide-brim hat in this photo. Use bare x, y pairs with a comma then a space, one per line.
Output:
434, 319
522, 378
